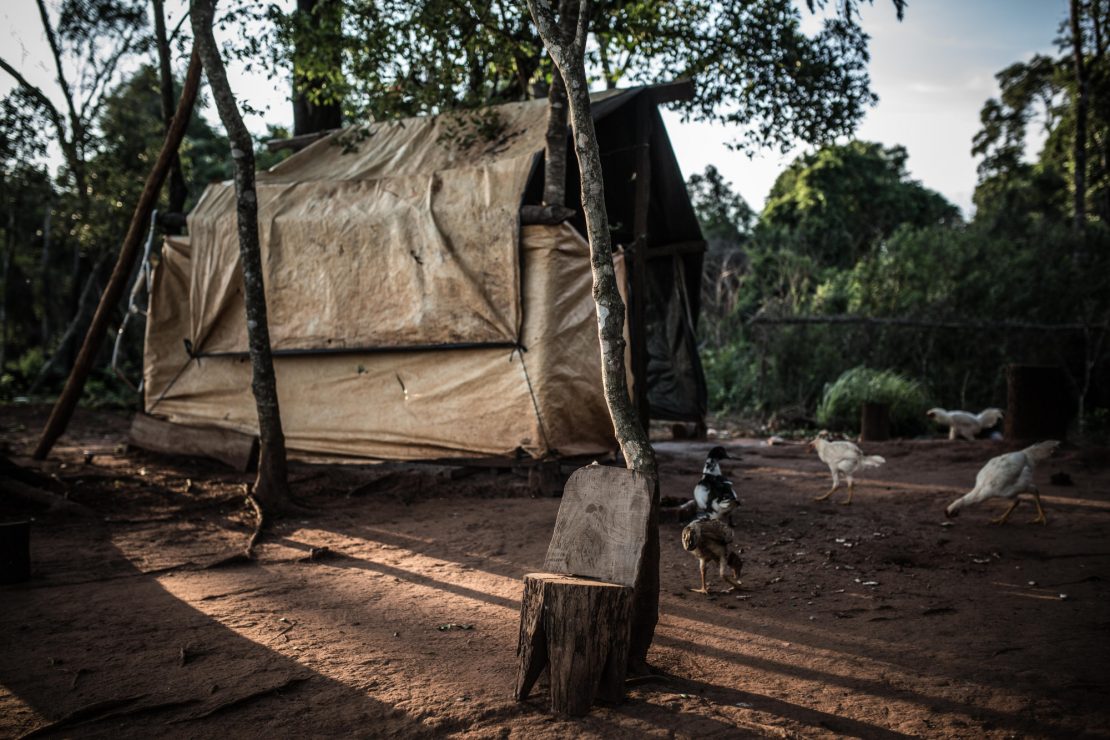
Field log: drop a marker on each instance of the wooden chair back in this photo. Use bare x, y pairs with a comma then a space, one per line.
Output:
601, 528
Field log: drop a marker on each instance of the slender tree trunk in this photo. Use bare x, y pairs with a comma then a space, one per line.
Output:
86, 305
178, 190
271, 488
44, 269
72, 147
129, 250
555, 152
568, 55
310, 116
9, 247
1081, 105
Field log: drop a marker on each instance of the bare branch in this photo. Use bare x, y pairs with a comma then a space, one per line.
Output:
100, 81
56, 52
40, 97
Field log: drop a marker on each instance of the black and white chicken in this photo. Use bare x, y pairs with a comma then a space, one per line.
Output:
710, 535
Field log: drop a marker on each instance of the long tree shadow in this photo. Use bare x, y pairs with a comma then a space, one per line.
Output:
125, 656
857, 685
724, 699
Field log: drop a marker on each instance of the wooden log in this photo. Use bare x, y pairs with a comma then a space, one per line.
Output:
578, 629
874, 422
52, 503
30, 476
15, 552
240, 451
549, 215
1037, 403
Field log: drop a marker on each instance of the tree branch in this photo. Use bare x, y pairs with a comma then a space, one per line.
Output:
51, 111
56, 52
94, 337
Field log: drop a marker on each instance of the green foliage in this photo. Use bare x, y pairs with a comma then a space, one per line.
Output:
751, 63
839, 202
1044, 88
730, 378
726, 218
104, 390
841, 403
1018, 262
726, 222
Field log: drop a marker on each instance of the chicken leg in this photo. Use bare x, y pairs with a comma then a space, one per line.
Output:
727, 565
851, 487
1002, 519
1040, 518
703, 589
835, 485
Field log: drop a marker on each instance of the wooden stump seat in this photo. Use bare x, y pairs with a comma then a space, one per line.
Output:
575, 618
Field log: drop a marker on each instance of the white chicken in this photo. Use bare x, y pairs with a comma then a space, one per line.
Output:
843, 458
1006, 476
963, 423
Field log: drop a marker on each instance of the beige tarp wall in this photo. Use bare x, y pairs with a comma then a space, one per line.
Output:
392, 235
405, 405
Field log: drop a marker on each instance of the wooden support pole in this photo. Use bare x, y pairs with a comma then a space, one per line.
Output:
578, 629
117, 283
637, 319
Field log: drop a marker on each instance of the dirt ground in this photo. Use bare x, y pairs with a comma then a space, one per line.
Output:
872, 620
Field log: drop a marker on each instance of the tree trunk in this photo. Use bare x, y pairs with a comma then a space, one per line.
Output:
271, 487
1081, 105
309, 116
568, 55
44, 269
9, 247
178, 191
67, 401
82, 313
555, 151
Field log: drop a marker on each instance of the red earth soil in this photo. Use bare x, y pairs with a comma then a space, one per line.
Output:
872, 620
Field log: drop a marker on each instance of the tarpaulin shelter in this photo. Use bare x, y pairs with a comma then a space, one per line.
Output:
412, 315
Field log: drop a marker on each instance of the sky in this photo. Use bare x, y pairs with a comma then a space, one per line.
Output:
932, 72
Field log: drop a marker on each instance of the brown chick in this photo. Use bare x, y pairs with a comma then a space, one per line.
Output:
710, 540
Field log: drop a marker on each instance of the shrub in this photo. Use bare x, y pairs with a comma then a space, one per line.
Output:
840, 405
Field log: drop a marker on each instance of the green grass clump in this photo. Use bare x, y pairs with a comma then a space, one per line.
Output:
840, 405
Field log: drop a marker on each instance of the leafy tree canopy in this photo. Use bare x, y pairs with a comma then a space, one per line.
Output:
752, 64
726, 218
1044, 90
835, 204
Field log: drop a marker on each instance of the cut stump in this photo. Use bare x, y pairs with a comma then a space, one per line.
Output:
575, 619
1037, 405
577, 628
874, 422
